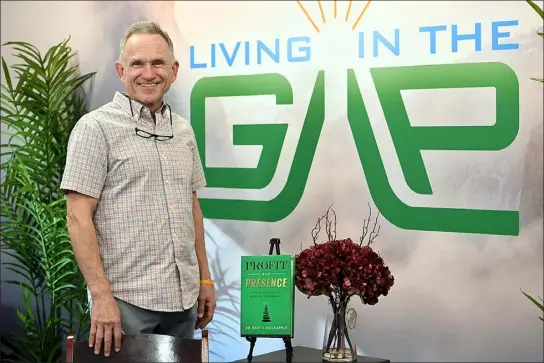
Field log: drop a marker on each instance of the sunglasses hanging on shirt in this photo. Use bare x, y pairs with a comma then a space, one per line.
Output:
148, 135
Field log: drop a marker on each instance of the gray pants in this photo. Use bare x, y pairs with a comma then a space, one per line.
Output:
135, 320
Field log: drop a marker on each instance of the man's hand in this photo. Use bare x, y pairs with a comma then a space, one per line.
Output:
105, 325
206, 306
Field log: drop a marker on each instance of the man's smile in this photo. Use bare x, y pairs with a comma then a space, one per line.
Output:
148, 84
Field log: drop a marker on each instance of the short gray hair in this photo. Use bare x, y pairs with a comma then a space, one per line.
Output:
145, 27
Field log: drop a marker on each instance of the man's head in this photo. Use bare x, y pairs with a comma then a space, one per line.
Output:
146, 63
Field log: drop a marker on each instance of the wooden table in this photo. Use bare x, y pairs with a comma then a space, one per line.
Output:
304, 354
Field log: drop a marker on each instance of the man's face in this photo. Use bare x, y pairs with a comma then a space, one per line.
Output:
147, 69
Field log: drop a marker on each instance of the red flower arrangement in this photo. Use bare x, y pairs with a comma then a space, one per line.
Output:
341, 269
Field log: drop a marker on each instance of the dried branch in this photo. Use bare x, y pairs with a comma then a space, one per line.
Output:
330, 226
317, 229
365, 225
374, 233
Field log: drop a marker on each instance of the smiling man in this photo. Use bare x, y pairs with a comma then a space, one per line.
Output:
131, 176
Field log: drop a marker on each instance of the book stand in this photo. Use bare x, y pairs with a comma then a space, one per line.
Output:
274, 242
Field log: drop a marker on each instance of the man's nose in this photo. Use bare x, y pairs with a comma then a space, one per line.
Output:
148, 71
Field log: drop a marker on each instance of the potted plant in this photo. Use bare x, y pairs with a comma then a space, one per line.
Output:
39, 111
342, 269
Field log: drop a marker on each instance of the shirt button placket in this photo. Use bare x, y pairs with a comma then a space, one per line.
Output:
168, 178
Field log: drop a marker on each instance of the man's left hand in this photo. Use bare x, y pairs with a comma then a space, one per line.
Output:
206, 306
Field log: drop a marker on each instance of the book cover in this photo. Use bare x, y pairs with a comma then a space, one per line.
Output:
267, 301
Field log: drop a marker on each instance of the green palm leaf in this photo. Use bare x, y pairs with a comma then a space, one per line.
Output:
540, 12
534, 301
40, 106
536, 8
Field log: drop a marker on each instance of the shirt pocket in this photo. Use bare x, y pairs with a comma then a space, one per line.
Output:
183, 158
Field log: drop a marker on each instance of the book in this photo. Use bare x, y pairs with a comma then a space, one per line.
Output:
267, 296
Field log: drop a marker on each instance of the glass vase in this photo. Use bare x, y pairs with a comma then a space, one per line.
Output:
338, 340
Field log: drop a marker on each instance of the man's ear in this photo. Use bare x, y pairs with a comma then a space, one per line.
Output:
119, 68
175, 68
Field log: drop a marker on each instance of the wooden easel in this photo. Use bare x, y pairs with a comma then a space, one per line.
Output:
274, 242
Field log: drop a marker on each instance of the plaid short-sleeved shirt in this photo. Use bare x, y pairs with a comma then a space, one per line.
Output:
144, 221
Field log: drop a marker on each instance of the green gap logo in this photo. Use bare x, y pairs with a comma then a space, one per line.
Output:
408, 141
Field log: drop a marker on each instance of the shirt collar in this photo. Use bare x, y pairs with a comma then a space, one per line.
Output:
133, 108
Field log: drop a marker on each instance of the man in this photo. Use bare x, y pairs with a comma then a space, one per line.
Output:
131, 176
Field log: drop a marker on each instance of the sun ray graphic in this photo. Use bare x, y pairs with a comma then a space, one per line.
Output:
322, 13
349, 9
361, 15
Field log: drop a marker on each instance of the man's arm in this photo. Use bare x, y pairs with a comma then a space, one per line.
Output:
106, 317
80, 210
206, 298
200, 245
83, 180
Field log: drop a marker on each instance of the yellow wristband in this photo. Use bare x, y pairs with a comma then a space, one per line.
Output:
207, 282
